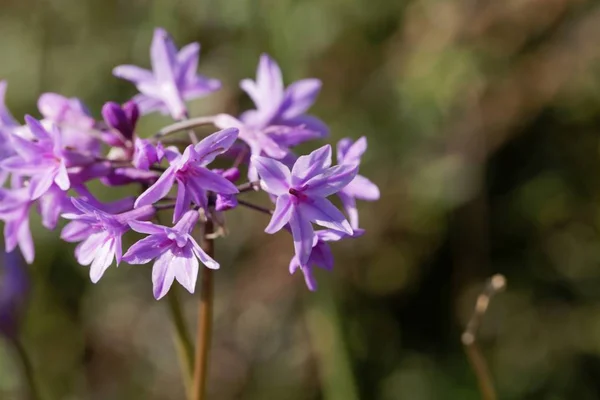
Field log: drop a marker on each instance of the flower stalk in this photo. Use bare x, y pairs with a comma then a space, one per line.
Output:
205, 311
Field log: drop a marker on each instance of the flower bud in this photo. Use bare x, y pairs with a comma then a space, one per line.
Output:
120, 118
225, 202
145, 154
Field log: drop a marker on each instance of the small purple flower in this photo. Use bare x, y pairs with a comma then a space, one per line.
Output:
192, 176
320, 255
361, 188
175, 250
301, 195
45, 160
173, 79
100, 235
14, 289
122, 119
277, 105
14, 211
73, 118
145, 154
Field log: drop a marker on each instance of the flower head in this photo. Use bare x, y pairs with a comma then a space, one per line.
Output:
192, 176
173, 78
361, 188
100, 234
301, 196
320, 255
45, 160
73, 118
175, 250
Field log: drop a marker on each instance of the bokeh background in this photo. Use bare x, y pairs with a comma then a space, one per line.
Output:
483, 122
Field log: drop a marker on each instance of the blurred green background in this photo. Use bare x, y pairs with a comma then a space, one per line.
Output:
483, 122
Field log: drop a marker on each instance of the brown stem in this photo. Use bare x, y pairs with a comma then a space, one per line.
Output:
496, 284
205, 309
255, 207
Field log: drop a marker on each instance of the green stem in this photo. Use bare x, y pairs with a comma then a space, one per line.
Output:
34, 393
182, 339
204, 330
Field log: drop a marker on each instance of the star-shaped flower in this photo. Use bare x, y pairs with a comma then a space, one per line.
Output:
100, 234
175, 250
301, 196
192, 176
173, 79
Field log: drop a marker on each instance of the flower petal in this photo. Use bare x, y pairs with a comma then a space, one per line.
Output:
283, 212
215, 144
186, 268
275, 177
310, 165
331, 181
363, 189
302, 232
158, 190
299, 96
322, 212
163, 275
202, 256
146, 227
212, 181
133, 73
85, 252
349, 205
143, 251
102, 260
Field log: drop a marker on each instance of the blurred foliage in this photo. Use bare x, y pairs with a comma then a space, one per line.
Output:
482, 119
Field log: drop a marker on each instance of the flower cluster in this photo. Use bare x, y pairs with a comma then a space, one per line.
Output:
48, 163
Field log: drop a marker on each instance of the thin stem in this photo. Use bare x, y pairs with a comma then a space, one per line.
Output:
248, 187
496, 284
34, 393
255, 207
183, 125
183, 342
205, 310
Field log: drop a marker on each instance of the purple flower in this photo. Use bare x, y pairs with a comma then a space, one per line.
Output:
145, 154
277, 105
100, 235
14, 288
361, 188
175, 250
122, 119
301, 195
14, 211
192, 176
320, 255
279, 121
73, 118
173, 78
45, 159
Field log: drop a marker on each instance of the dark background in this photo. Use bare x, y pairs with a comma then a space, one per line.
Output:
483, 126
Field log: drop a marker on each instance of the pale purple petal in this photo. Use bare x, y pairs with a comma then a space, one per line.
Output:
186, 268
349, 205
201, 254
36, 128
302, 233
102, 260
146, 227
75, 231
157, 191
199, 87
355, 151
187, 223
362, 188
331, 181
307, 122
133, 73
310, 165
321, 256
145, 250
163, 55
163, 275
215, 144
299, 96
294, 265
275, 177
212, 181
25, 240
41, 183
19, 165
85, 252
182, 203
282, 214
62, 177
322, 212
187, 59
